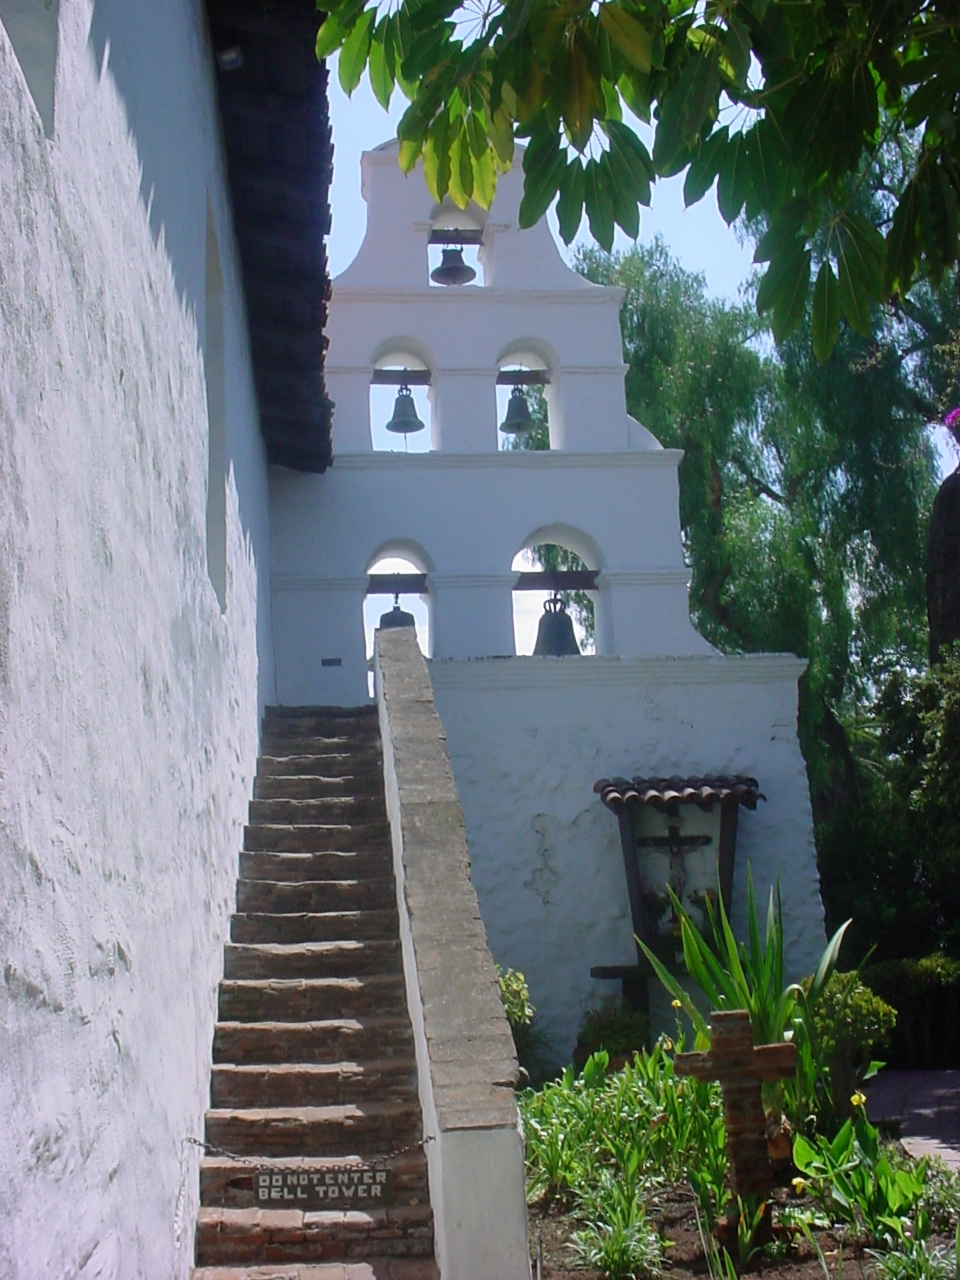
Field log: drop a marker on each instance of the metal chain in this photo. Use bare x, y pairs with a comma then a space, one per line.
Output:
209, 1149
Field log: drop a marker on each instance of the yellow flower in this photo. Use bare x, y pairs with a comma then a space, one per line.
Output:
677, 1004
858, 1099
799, 1186
667, 1043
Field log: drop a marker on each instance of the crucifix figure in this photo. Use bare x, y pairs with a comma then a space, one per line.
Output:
676, 845
741, 1070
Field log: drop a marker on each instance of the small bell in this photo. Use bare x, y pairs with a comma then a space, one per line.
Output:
396, 617
555, 638
452, 269
518, 414
404, 418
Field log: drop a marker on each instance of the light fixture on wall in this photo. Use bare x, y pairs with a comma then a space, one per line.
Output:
452, 268
518, 417
405, 419
230, 58
555, 638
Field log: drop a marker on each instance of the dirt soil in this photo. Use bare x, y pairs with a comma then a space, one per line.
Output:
673, 1213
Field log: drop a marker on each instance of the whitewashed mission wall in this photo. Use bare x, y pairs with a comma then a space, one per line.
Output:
129, 702
528, 737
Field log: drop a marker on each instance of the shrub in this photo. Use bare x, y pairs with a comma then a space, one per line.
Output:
619, 1030
926, 994
515, 995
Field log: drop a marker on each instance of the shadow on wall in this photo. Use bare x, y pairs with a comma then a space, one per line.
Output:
125, 38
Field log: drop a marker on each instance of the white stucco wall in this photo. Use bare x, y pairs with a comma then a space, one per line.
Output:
129, 703
528, 737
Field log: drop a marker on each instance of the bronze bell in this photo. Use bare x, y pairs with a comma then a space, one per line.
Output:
404, 418
518, 414
555, 638
452, 269
396, 617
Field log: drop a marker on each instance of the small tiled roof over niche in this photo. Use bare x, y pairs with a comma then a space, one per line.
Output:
665, 793
273, 103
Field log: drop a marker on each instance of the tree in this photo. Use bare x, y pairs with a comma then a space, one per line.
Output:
804, 494
789, 107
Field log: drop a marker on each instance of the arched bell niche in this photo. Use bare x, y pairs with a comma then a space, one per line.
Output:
397, 571
559, 555
402, 362
525, 365
455, 239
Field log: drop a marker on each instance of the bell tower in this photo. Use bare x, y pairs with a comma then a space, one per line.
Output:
459, 302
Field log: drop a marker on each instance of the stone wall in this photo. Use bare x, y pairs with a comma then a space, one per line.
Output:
129, 702
528, 738
466, 1063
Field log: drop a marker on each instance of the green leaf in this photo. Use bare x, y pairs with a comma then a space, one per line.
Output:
630, 161
631, 38
570, 204
382, 63
733, 178
826, 312
865, 247
484, 179
543, 168
436, 157
620, 182
853, 294
902, 255
791, 299
353, 55
330, 37
461, 169
685, 107
598, 199
500, 130
704, 167
581, 95
409, 154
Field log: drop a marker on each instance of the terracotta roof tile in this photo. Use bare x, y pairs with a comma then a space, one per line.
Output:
664, 793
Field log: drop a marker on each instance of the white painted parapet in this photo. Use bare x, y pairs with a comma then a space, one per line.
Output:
466, 1064
528, 737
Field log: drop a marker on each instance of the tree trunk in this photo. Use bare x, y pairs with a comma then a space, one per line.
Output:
943, 567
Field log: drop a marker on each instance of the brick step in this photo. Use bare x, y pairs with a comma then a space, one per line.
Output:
317, 786
296, 763
311, 1084
321, 722
287, 1235
285, 710
337, 809
327, 864
298, 896
280, 837
309, 999
230, 1182
314, 926
311, 959
324, 1040
277, 744
343, 1130
371, 1269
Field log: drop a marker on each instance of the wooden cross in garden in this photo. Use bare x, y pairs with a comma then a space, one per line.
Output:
741, 1070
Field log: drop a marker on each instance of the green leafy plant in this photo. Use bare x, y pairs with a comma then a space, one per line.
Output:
915, 1258
855, 1181
752, 1219
614, 1027
515, 995
737, 975
618, 1237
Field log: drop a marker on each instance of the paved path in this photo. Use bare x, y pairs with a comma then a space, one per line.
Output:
927, 1105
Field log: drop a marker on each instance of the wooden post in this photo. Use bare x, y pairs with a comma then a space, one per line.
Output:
741, 1070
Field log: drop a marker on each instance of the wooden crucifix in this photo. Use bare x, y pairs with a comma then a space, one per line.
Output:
741, 1070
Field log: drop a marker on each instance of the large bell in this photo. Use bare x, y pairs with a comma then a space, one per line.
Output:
452, 269
396, 617
518, 414
404, 418
555, 638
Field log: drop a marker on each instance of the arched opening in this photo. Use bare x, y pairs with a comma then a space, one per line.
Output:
397, 562
395, 371
454, 247
561, 560
523, 370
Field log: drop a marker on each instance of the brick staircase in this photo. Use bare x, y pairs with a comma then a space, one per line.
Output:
313, 1060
